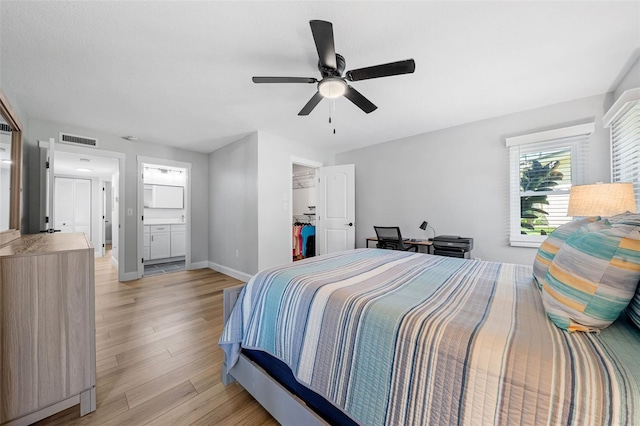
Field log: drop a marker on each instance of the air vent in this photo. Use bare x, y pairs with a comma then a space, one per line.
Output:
5, 129
78, 140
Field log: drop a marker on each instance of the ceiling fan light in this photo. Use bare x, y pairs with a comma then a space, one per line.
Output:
332, 87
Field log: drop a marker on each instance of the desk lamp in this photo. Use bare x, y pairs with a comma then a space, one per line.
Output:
424, 226
601, 199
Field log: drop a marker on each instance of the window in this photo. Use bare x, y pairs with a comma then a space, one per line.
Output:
543, 167
623, 119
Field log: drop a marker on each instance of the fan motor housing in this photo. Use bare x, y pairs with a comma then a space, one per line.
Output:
331, 72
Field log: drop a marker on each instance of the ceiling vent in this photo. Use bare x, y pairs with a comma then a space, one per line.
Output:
5, 129
78, 140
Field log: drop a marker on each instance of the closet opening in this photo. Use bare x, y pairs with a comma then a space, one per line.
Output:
303, 208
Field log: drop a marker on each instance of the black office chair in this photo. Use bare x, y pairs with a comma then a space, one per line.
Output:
390, 238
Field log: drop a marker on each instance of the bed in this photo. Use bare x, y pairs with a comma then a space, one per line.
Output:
389, 337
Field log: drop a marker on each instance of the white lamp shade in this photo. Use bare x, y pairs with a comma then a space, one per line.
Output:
601, 199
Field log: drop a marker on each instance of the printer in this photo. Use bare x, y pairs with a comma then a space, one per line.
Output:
452, 246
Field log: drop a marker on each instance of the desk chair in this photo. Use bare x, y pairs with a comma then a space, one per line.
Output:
389, 237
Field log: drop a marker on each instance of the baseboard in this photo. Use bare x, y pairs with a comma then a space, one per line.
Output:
114, 262
199, 265
230, 271
130, 276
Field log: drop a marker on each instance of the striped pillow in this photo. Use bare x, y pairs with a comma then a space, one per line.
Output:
633, 310
552, 244
593, 278
625, 219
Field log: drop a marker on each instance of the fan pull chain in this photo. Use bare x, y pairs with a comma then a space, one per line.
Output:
332, 113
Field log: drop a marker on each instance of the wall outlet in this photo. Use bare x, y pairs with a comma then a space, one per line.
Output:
237, 253
129, 212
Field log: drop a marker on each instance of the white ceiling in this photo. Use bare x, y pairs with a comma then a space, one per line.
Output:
179, 73
67, 163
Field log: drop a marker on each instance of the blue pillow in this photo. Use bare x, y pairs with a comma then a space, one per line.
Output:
593, 277
550, 246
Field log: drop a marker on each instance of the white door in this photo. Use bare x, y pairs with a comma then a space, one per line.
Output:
336, 209
72, 205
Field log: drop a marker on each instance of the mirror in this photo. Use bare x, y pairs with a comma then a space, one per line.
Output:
163, 197
10, 172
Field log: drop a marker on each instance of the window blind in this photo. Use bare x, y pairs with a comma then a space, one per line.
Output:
625, 148
539, 200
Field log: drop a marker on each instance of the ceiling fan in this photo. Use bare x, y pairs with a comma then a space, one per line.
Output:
331, 66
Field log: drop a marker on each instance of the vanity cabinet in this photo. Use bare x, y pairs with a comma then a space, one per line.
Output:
47, 303
160, 242
178, 240
146, 241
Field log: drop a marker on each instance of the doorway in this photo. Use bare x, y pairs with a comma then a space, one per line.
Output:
303, 209
72, 175
164, 231
328, 206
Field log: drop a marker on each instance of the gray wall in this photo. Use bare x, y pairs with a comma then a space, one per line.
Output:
43, 130
274, 185
458, 178
233, 206
249, 181
630, 80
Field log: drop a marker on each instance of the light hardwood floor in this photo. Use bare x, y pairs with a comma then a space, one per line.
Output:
158, 360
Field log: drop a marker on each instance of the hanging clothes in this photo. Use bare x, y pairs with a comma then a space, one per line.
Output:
296, 233
306, 232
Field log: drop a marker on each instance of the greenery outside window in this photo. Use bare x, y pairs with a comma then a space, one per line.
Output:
543, 167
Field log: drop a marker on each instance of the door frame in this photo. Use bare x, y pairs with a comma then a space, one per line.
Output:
187, 202
121, 157
300, 162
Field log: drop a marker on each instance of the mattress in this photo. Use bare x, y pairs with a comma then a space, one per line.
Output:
393, 337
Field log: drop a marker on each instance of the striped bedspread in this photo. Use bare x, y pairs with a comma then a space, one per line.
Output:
401, 338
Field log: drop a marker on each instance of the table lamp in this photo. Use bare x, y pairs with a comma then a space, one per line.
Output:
424, 227
601, 199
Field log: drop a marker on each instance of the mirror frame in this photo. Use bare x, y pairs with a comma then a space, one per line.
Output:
15, 196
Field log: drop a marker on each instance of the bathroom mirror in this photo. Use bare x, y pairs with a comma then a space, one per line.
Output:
163, 197
10, 171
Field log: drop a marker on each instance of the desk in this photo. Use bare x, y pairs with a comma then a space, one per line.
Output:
417, 242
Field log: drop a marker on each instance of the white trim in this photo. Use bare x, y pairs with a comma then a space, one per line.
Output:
199, 265
230, 271
114, 262
533, 241
620, 105
304, 162
564, 132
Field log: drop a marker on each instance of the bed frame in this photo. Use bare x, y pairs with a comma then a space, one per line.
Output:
285, 407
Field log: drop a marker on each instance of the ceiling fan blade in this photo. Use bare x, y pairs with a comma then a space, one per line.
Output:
385, 70
360, 101
284, 80
315, 100
323, 36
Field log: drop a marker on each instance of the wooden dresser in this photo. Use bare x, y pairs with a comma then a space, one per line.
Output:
47, 327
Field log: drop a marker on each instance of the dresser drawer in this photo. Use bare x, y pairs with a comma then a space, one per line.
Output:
160, 228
